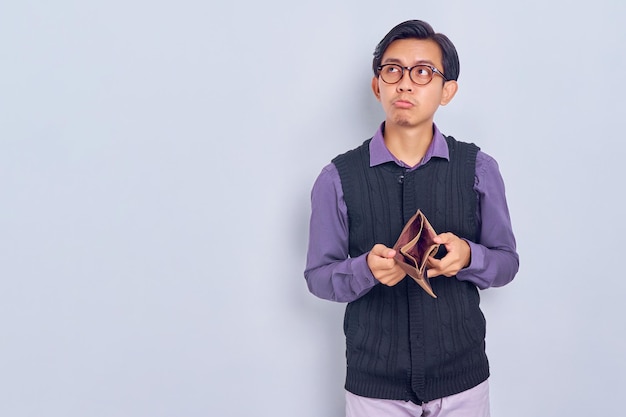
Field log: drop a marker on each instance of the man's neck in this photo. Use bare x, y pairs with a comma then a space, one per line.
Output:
408, 144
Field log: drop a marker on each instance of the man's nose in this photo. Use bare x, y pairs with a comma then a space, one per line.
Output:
405, 83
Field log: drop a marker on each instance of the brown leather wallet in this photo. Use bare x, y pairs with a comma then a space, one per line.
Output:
413, 248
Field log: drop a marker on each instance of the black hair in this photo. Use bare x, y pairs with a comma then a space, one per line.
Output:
418, 29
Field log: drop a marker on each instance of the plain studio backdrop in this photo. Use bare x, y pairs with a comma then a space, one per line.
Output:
156, 160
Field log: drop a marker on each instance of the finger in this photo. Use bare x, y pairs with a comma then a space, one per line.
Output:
431, 262
381, 266
432, 267
438, 267
392, 279
443, 238
433, 272
387, 264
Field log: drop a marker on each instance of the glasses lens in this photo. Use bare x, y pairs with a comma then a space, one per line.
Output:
391, 73
421, 74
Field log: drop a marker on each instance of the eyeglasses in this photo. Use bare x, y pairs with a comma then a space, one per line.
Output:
420, 74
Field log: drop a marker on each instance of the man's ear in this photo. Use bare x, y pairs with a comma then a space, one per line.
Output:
376, 88
449, 90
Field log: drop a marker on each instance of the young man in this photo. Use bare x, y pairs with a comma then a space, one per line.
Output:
408, 353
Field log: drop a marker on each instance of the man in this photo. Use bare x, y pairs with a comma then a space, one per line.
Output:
408, 353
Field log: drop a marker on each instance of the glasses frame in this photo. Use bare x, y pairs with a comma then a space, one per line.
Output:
409, 69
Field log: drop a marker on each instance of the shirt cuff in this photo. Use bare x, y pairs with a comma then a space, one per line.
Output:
362, 274
476, 266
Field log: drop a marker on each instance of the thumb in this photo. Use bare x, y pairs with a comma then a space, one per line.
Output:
383, 251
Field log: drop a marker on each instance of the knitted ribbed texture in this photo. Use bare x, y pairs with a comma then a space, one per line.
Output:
401, 343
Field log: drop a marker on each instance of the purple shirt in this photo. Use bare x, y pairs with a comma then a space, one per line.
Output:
333, 275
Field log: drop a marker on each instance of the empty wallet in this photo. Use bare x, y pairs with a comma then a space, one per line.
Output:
413, 248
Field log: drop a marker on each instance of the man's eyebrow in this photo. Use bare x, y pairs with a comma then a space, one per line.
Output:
392, 61
397, 61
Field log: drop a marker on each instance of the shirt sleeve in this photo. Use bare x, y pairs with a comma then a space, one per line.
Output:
494, 260
330, 272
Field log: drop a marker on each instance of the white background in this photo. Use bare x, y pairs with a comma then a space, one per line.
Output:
156, 160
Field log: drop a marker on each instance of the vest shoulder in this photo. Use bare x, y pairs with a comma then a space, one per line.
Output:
452, 142
353, 153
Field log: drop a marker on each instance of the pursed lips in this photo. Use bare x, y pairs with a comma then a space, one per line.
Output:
403, 104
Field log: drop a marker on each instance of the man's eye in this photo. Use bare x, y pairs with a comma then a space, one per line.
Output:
392, 70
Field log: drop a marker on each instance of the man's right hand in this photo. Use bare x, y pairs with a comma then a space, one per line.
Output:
383, 266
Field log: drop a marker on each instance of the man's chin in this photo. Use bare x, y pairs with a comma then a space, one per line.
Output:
403, 122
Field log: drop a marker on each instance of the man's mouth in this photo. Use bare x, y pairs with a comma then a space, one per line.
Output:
403, 104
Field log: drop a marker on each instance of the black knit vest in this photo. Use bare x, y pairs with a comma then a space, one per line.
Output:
402, 344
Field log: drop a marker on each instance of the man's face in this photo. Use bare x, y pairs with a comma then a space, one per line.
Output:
405, 103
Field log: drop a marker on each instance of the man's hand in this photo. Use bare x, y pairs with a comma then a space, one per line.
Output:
383, 266
458, 257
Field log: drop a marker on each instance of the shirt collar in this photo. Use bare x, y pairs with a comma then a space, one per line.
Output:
379, 154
